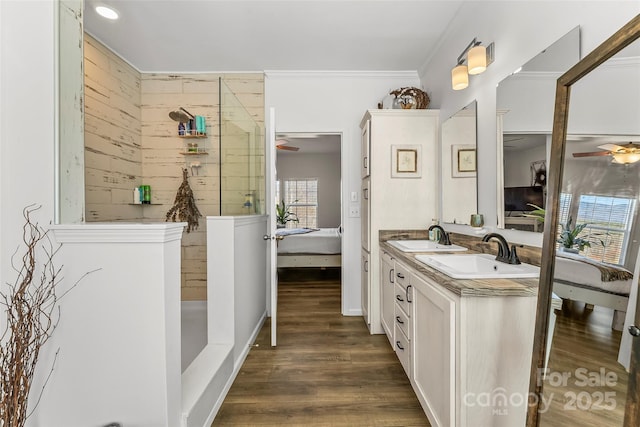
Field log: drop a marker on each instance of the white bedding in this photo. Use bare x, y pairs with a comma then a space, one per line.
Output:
574, 271
322, 241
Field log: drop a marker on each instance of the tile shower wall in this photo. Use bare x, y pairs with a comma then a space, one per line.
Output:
112, 133
148, 150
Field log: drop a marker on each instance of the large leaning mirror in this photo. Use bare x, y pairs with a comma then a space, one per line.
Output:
459, 167
592, 375
525, 114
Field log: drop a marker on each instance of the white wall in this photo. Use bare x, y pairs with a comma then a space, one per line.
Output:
324, 167
335, 103
27, 83
520, 31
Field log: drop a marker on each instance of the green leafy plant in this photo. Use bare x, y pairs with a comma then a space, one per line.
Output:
569, 236
537, 213
284, 213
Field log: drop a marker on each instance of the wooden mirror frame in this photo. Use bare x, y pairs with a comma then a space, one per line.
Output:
614, 44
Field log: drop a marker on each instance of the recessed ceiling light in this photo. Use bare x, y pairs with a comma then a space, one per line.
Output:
107, 12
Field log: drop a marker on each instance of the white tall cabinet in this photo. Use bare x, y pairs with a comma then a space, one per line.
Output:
396, 194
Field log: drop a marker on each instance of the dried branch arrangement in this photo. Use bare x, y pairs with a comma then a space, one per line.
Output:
32, 312
184, 206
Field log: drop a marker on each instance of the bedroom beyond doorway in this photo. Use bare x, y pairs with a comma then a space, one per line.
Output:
308, 185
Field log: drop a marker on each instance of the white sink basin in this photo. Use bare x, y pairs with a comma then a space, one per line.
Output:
424, 246
478, 266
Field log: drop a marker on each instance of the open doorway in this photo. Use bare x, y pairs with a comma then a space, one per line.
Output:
308, 188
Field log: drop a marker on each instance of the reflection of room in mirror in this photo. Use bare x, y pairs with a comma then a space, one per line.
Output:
603, 113
524, 102
459, 167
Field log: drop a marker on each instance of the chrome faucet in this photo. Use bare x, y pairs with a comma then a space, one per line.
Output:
506, 255
444, 236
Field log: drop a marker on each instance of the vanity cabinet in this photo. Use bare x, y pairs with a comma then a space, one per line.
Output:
433, 348
394, 198
466, 353
402, 319
364, 281
387, 284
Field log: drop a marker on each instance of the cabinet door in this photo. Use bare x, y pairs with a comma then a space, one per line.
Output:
387, 275
364, 266
365, 216
365, 147
433, 355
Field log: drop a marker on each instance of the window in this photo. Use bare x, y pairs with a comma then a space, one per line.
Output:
302, 195
609, 220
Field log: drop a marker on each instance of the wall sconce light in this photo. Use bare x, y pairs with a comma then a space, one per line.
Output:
477, 57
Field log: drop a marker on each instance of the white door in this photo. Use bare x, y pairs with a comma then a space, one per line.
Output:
270, 237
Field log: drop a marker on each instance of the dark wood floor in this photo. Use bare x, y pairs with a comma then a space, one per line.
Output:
326, 370
595, 395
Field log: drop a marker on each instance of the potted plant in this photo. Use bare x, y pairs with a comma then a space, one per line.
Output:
284, 214
569, 240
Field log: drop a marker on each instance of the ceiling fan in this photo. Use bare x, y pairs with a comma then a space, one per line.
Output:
281, 144
624, 154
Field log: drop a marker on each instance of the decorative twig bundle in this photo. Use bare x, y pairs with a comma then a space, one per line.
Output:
32, 314
184, 206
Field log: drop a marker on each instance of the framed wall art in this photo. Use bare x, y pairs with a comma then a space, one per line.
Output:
406, 161
463, 159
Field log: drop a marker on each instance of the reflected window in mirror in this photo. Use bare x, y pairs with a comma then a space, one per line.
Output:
525, 101
600, 197
459, 166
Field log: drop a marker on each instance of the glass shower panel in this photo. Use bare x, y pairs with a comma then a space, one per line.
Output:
242, 158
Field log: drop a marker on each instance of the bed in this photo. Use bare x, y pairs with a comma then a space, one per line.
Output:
581, 279
309, 247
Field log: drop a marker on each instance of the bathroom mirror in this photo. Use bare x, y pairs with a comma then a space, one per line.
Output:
525, 114
598, 88
459, 167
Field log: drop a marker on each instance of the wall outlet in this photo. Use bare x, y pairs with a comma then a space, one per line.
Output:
354, 211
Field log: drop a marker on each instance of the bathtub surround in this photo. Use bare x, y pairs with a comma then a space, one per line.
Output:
130, 140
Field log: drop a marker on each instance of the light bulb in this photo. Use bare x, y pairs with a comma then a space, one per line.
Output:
107, 12
477, 59
459, 77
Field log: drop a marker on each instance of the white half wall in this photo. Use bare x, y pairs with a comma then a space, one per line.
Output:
335, 102
119, 331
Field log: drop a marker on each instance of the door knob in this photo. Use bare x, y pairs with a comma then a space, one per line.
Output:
279, 237
634, 330
266, 237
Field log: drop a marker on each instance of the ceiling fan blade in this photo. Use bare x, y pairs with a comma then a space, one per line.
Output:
287, 148
611, 147
592, 154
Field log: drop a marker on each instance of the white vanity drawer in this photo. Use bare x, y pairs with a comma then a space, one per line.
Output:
402, 275
402, 321
403, 351
401, 298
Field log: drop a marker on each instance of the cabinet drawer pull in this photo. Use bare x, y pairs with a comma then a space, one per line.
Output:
365, 193
400, 275
391, 275
365, 163
366, 266
407, 294
400, 347
399, 320
399, 298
